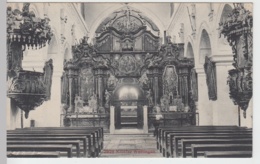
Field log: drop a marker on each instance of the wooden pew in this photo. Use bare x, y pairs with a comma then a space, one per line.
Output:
49, 148
33, 154
75, 143
228, 154
160, 130
89, 133
94, 136
178, 136
99, 129
90, 137
83, 139
195, 148
165, 145
188, 142
98, 136
167, 134
175, 147
163, 132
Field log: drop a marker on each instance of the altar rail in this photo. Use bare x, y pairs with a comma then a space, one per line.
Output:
86, 119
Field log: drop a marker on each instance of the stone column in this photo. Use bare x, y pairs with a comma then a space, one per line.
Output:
71, 94
13, 117
112, 120
155, 72
204, 105
145, 115
183, 84
224, 110
72, 88
100, 73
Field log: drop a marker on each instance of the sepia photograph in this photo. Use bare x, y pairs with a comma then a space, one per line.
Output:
129, 80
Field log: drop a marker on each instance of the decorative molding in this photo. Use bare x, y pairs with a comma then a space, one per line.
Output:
211, 12
181, 33
193, 20
62, 38
64, 19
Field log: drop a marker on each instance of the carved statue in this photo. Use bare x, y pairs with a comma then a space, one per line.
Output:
144, 79
48, 71
149, 97
178, 102
210, 71
194, 85
165, 103
112, 81
170, 81
93, 103
79, 104
107, 96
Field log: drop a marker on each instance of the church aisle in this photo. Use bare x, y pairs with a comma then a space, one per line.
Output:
130, 146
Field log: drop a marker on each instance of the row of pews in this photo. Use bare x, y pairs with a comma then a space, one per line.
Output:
204, 141
55, 142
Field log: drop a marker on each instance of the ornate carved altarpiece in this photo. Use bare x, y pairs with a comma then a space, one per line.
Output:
126, 51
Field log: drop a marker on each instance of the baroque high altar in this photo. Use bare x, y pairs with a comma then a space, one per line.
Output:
127, 68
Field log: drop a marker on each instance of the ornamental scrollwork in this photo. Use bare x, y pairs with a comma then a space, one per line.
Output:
83, 50
27, 89
126, 20
27, 29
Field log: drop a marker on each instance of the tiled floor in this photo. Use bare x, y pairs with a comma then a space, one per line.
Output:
135, 145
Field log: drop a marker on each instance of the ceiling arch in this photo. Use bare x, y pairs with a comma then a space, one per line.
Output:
127, 18
117, 6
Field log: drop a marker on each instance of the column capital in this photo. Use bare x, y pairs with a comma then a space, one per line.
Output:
112, 107
224, 58
57, 73
200, 71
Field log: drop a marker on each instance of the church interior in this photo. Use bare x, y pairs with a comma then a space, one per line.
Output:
112, 80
